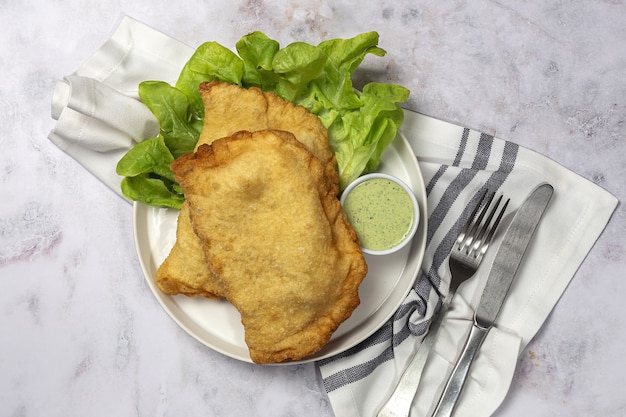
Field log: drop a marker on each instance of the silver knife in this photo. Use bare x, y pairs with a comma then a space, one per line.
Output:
503, 271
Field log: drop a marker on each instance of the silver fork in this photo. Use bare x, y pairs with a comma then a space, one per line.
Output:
465, 257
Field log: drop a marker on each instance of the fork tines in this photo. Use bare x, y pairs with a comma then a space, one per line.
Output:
477, 233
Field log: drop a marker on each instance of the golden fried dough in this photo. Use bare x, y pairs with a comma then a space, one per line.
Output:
274, 231
228, 109
195, 276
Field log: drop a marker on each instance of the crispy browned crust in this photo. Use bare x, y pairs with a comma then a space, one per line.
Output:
228, 109
273, 230
185, 270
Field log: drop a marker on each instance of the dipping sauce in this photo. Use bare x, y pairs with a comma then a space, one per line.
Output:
381, 212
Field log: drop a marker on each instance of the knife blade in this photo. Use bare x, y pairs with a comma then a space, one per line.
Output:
503, 271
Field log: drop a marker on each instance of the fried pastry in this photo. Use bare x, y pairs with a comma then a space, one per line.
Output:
228, 109
193, 276
272, 228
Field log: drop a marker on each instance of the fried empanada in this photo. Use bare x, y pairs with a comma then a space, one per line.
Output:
273, 230
228, 109
193, 275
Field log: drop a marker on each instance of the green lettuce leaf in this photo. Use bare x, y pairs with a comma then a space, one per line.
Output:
360, 124
362, 135
180, 125
147, 174
211, 61
257, 51
152, 191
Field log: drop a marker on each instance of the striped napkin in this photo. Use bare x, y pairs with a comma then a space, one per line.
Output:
456, 163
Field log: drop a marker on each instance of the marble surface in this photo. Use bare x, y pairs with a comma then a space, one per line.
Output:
83, 335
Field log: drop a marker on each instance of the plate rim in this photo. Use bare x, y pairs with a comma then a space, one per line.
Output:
415, 258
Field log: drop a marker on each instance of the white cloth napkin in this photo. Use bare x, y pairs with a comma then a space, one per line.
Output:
97, 108
456, 163
99, 118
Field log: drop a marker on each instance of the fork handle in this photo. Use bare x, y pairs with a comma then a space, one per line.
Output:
454, 386
399, 404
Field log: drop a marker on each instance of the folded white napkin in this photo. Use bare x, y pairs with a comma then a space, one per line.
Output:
97, 108
99, 118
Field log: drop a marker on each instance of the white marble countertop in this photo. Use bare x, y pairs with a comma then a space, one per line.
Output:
83, 335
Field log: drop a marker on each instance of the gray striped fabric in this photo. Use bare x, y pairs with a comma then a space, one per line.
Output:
451, 181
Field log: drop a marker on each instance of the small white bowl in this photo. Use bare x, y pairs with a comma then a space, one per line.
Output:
372, 218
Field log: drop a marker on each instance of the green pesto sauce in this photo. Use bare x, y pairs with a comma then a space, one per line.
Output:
381, 212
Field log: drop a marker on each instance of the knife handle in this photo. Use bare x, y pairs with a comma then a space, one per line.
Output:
399, 404
454, 386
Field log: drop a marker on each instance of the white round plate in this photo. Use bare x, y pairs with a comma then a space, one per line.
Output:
216, 323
